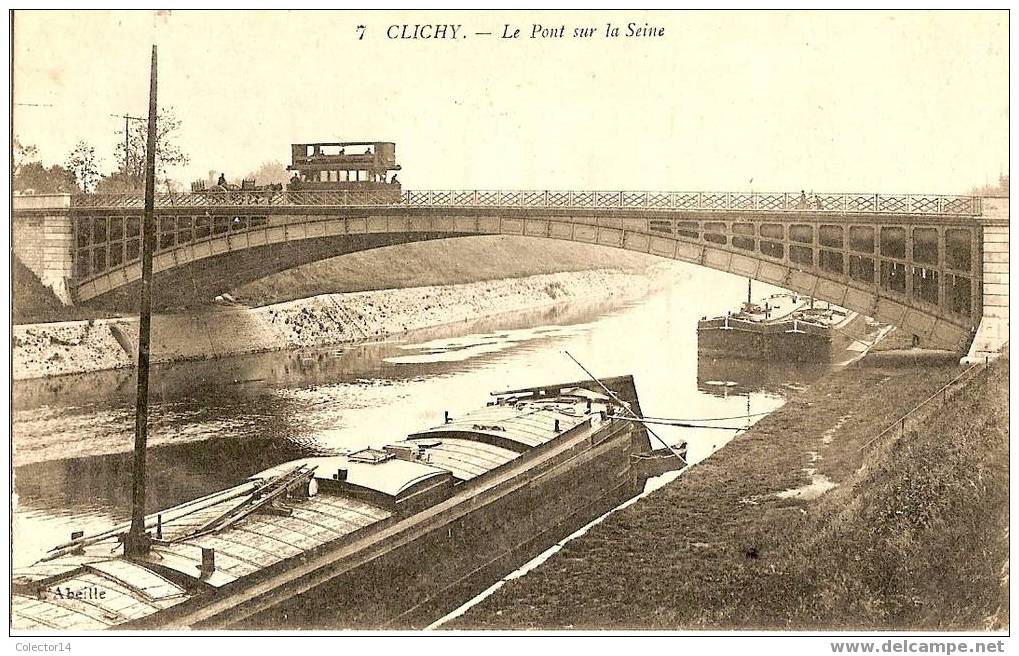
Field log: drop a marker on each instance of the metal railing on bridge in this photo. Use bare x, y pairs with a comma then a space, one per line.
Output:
834, 203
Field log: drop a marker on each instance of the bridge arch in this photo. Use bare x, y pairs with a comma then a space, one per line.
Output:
923, 276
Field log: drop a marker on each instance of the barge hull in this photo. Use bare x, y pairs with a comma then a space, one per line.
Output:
411, 571
789, 347
785, 341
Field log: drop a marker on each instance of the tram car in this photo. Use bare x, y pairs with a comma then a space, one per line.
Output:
346, 166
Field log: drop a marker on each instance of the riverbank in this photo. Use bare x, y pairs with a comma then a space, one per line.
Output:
53, 349
800, 523
418, 264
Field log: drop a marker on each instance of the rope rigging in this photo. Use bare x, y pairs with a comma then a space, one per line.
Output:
645, 420
675, 419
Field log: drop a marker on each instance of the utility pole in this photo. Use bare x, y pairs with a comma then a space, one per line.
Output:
127, 144
136, 542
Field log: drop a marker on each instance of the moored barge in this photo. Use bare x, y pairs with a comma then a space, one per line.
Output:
784, 327
388, 537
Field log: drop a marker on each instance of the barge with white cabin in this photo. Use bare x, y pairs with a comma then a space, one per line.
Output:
390, 537
784, 327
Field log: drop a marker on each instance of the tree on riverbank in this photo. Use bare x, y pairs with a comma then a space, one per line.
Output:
81, 170
83, 166
31, 176
273, 172
130, 155
22, 154
34, 178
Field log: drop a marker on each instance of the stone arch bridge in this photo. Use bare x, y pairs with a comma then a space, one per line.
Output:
934, 265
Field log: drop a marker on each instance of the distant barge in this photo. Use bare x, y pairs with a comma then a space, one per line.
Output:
392, 537
783, 327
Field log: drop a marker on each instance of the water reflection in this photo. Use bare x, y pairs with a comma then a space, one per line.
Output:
726, 377
242, 376
464, 348
214, 423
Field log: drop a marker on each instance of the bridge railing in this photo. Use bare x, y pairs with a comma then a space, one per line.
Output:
247, 198
709, 201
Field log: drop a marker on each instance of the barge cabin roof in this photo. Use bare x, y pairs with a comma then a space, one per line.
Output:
291, 510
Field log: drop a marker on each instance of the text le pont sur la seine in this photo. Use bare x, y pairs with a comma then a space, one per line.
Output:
451, 31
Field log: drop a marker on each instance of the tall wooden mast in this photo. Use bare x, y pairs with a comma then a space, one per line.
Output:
136, 543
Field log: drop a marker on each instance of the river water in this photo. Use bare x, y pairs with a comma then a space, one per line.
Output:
214, 423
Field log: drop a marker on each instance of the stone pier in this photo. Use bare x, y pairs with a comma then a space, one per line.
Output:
992, 332
43, 239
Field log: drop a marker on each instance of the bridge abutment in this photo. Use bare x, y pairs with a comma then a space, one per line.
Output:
992, 332
43, 239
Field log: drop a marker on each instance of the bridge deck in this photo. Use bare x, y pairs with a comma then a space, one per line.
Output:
841, 203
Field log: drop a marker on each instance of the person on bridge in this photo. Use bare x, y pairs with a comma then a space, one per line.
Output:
394, 180
803, 200
222, 180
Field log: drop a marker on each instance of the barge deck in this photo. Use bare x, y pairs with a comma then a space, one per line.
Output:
389, 537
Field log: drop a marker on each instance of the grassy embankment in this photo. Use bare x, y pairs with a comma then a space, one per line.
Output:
441, 262
915, 535
34, 302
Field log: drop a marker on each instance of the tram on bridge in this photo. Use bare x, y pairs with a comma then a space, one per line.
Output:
345, 166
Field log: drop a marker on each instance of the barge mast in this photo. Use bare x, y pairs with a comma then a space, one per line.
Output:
136, 542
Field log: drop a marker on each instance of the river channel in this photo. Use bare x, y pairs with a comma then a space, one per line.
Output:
214, 423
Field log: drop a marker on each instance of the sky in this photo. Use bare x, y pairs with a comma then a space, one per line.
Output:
770, 101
